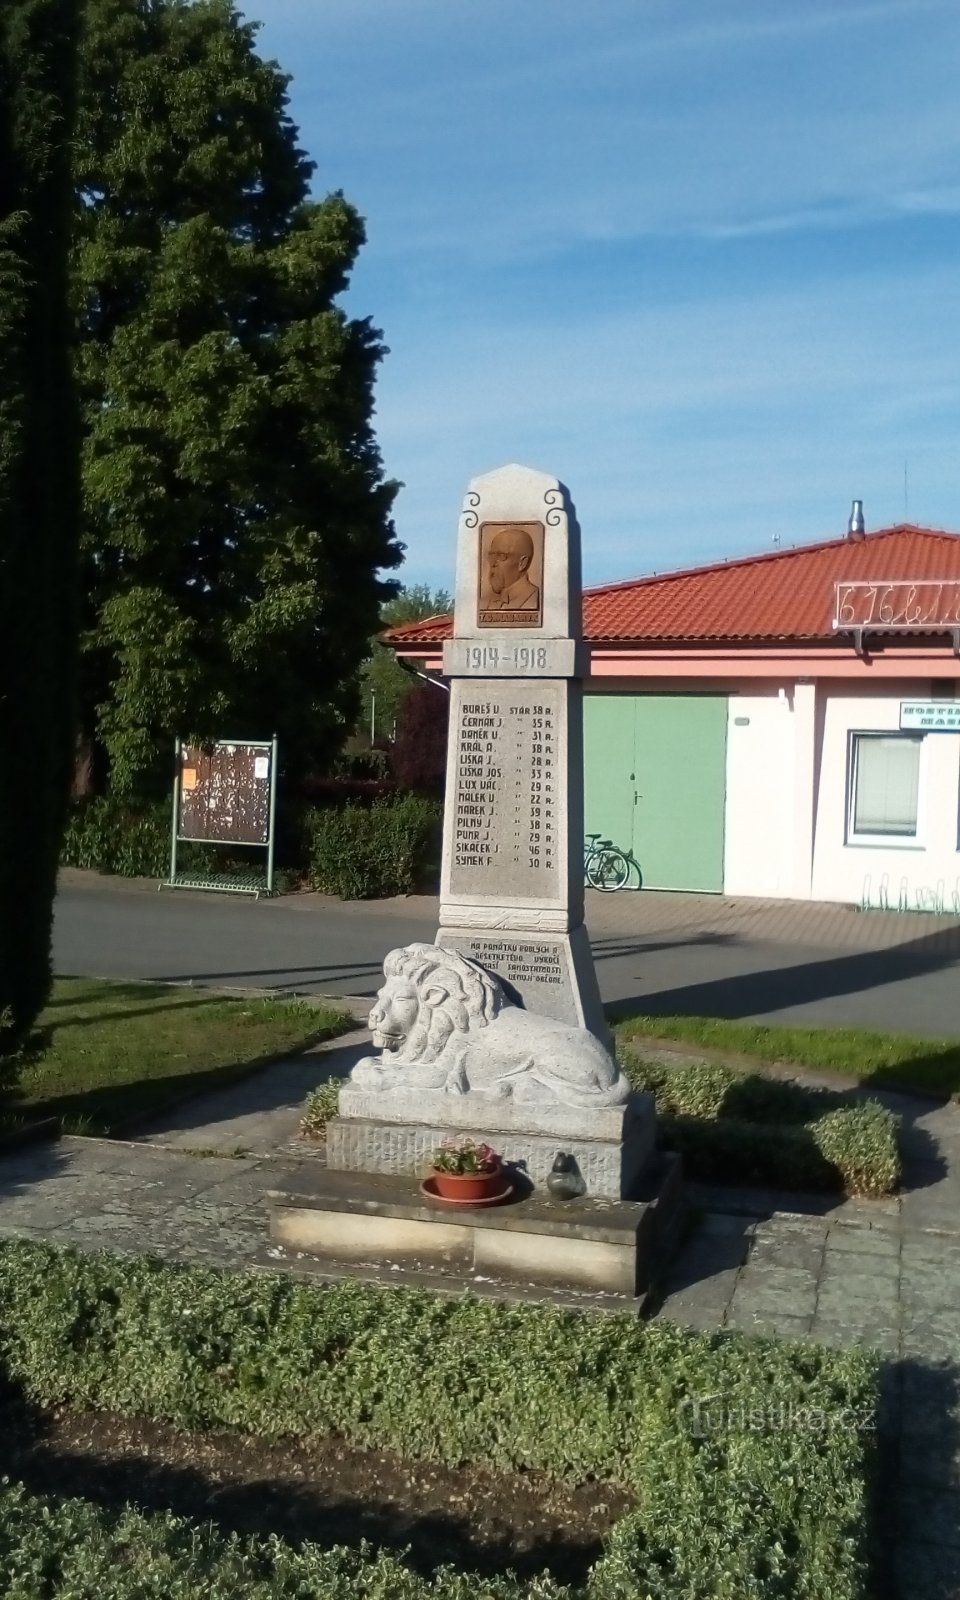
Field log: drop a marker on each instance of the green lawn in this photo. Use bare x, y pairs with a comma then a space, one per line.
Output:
106, 1054
880, 1059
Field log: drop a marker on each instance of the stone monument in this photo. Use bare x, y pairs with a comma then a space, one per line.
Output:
496, 1030
511, 890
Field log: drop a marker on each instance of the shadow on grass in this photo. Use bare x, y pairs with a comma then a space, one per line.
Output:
84, 990
429, 1515
752, 996
43, 1035
122, 1110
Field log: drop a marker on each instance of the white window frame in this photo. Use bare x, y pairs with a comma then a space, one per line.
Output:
884, 841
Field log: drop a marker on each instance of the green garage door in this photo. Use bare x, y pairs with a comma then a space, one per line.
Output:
655, 779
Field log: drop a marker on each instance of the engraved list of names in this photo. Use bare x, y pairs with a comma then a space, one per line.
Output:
507, 791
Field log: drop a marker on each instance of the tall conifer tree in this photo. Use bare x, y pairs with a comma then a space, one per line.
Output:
235, 511
38, 487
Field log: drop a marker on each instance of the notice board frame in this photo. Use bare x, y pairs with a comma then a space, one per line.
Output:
253, 882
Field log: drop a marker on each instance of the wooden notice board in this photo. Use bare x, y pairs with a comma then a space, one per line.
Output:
225, 793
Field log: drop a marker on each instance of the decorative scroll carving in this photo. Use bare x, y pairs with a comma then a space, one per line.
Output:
471, 501
553, 499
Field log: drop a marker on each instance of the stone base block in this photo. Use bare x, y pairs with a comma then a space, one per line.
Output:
611, 1167
588, 1246
489, 1114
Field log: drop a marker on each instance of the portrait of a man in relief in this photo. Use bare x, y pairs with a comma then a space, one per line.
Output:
510, 564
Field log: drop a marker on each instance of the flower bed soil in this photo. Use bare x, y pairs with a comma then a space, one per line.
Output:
328, 1491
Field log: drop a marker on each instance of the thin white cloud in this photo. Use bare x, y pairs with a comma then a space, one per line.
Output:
684, 256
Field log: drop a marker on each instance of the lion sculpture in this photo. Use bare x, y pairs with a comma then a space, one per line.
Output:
443, 1022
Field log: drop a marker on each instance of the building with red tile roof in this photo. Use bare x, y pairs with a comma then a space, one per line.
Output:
780, 724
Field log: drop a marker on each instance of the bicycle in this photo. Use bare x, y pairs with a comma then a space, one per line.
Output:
607, 867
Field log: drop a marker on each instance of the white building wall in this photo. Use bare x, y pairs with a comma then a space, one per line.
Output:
926, 867
761, 807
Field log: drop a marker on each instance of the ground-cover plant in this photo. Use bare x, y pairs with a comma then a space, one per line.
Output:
51, 1547
105, 1053
319, 1106
880, 1059
369, 852
744, 1128
762, 1491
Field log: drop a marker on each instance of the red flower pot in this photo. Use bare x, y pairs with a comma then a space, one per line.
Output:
468, 1185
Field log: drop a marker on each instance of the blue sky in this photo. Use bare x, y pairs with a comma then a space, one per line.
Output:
698, 259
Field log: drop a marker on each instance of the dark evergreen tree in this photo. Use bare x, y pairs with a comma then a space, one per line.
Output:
38, 488
235, 511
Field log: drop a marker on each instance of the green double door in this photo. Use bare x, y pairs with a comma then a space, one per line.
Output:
655, 780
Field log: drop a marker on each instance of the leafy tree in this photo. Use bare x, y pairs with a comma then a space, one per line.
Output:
38, 488
236, 514
385, 684
413, 603
420, 748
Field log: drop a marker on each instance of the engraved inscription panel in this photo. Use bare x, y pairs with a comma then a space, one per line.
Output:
537, 967
510, 579
521, 962
508, 829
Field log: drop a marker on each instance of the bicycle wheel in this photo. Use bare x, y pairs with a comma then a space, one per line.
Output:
608, 870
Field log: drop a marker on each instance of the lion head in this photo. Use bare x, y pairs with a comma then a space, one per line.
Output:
430, 994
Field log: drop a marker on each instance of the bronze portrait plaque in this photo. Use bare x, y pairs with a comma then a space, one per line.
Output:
510, 588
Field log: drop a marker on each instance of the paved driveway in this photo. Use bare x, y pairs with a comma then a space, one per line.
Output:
699, 954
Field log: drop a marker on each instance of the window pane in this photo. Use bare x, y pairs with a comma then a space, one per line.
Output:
887, 772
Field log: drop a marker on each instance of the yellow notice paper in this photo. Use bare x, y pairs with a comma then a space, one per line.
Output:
188, 779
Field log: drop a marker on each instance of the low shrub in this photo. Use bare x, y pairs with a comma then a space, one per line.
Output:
318, 1108
769, 1497
743, 1127
104, 835
369, 852
52, 1547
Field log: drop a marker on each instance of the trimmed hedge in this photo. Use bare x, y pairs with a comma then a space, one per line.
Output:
768, 1498
72, 1548
370, 852
731, 1125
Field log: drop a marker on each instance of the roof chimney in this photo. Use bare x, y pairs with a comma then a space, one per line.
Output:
855, 528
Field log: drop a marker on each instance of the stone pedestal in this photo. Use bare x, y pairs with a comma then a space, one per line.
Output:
610, 1145
385, 1226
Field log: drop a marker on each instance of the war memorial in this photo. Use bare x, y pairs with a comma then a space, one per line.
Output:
495, 1032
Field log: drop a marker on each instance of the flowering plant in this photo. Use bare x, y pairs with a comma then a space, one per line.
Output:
464, 1157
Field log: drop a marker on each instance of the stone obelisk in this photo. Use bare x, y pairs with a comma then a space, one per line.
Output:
511, 892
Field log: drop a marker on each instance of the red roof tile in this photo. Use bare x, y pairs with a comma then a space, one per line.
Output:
785, 594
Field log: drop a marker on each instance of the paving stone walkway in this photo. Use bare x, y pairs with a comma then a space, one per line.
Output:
886, 1273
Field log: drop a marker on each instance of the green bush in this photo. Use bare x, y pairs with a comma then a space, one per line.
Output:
368, 852
88, 1552
318, 1108
741, 1126
106, 836
769, 1497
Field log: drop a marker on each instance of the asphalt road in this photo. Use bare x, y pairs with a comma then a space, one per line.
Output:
655, 953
